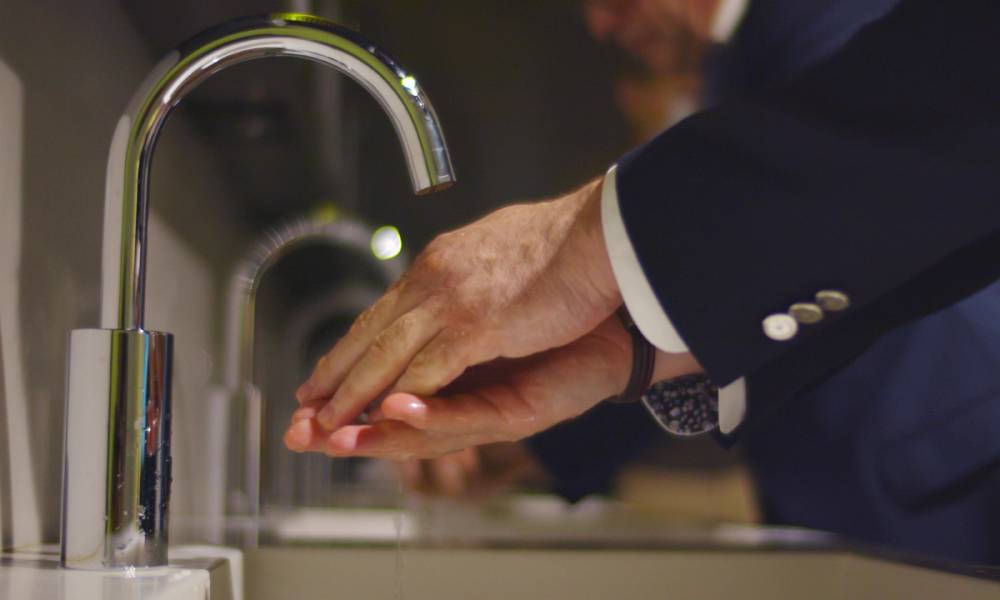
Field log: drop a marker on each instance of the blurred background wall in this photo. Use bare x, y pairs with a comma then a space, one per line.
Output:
68, 70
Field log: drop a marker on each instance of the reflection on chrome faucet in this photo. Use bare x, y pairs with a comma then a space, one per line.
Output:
116, 470
244, 493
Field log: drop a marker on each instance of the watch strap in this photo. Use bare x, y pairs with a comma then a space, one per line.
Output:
643, 361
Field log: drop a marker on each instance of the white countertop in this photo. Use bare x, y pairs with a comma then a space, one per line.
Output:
38, 576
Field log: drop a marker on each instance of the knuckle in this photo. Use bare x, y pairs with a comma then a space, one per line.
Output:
403, 328
382, 346
324, 366
415, 283
437, 361
433, 264
436, 257
406, 285
441, 240
349, 389
418, 365
361, 321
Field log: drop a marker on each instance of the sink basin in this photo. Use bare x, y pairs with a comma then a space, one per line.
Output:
537, 547
598, 574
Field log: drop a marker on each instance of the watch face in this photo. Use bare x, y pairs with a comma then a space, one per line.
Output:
684, 406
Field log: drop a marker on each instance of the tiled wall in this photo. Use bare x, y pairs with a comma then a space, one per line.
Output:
67, 70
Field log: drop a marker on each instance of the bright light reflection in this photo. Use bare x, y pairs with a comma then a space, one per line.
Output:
386, 243
410, 83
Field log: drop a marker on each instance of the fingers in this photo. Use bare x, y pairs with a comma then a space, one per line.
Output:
461, 414
440, 362
307, 411
385, 439
378, 440
306, 435
382, 363
393, 440
334, 366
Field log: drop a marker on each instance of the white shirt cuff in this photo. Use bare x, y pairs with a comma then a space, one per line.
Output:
652, 321
726, 20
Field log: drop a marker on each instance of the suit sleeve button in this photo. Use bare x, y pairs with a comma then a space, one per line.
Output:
806, 313
780, 327
832, 300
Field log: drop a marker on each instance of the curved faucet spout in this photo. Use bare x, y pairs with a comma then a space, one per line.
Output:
280, 34
341, 234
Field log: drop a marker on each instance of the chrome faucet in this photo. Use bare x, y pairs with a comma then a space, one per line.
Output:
244, 492
116, 465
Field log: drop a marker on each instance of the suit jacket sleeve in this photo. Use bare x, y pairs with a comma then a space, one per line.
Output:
876, 173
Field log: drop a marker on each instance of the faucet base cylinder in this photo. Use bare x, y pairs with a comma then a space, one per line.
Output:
116, 466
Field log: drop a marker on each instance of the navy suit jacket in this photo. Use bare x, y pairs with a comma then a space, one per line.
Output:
875, 172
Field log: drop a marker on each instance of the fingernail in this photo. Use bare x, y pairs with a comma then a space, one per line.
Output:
404, 405
341, 442
415, 406
304, 392
303, 413
294, 436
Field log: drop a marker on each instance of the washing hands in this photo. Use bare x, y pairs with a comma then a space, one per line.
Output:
499, 330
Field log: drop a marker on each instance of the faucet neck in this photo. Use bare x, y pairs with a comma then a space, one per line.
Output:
126, 215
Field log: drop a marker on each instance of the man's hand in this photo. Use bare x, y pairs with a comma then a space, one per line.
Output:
520, 281
502, 401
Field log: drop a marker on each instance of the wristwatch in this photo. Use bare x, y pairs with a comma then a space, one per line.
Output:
683, 406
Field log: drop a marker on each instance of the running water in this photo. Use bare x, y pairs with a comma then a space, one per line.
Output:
397, 521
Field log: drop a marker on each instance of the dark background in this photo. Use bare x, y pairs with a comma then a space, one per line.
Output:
524, 95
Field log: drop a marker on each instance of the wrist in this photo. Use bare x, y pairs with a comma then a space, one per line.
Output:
620, 358
615, 355
586, 249
675, 364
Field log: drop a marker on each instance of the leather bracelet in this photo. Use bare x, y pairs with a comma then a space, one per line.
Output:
643, 361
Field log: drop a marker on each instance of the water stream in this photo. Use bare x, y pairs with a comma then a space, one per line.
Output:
397, 521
